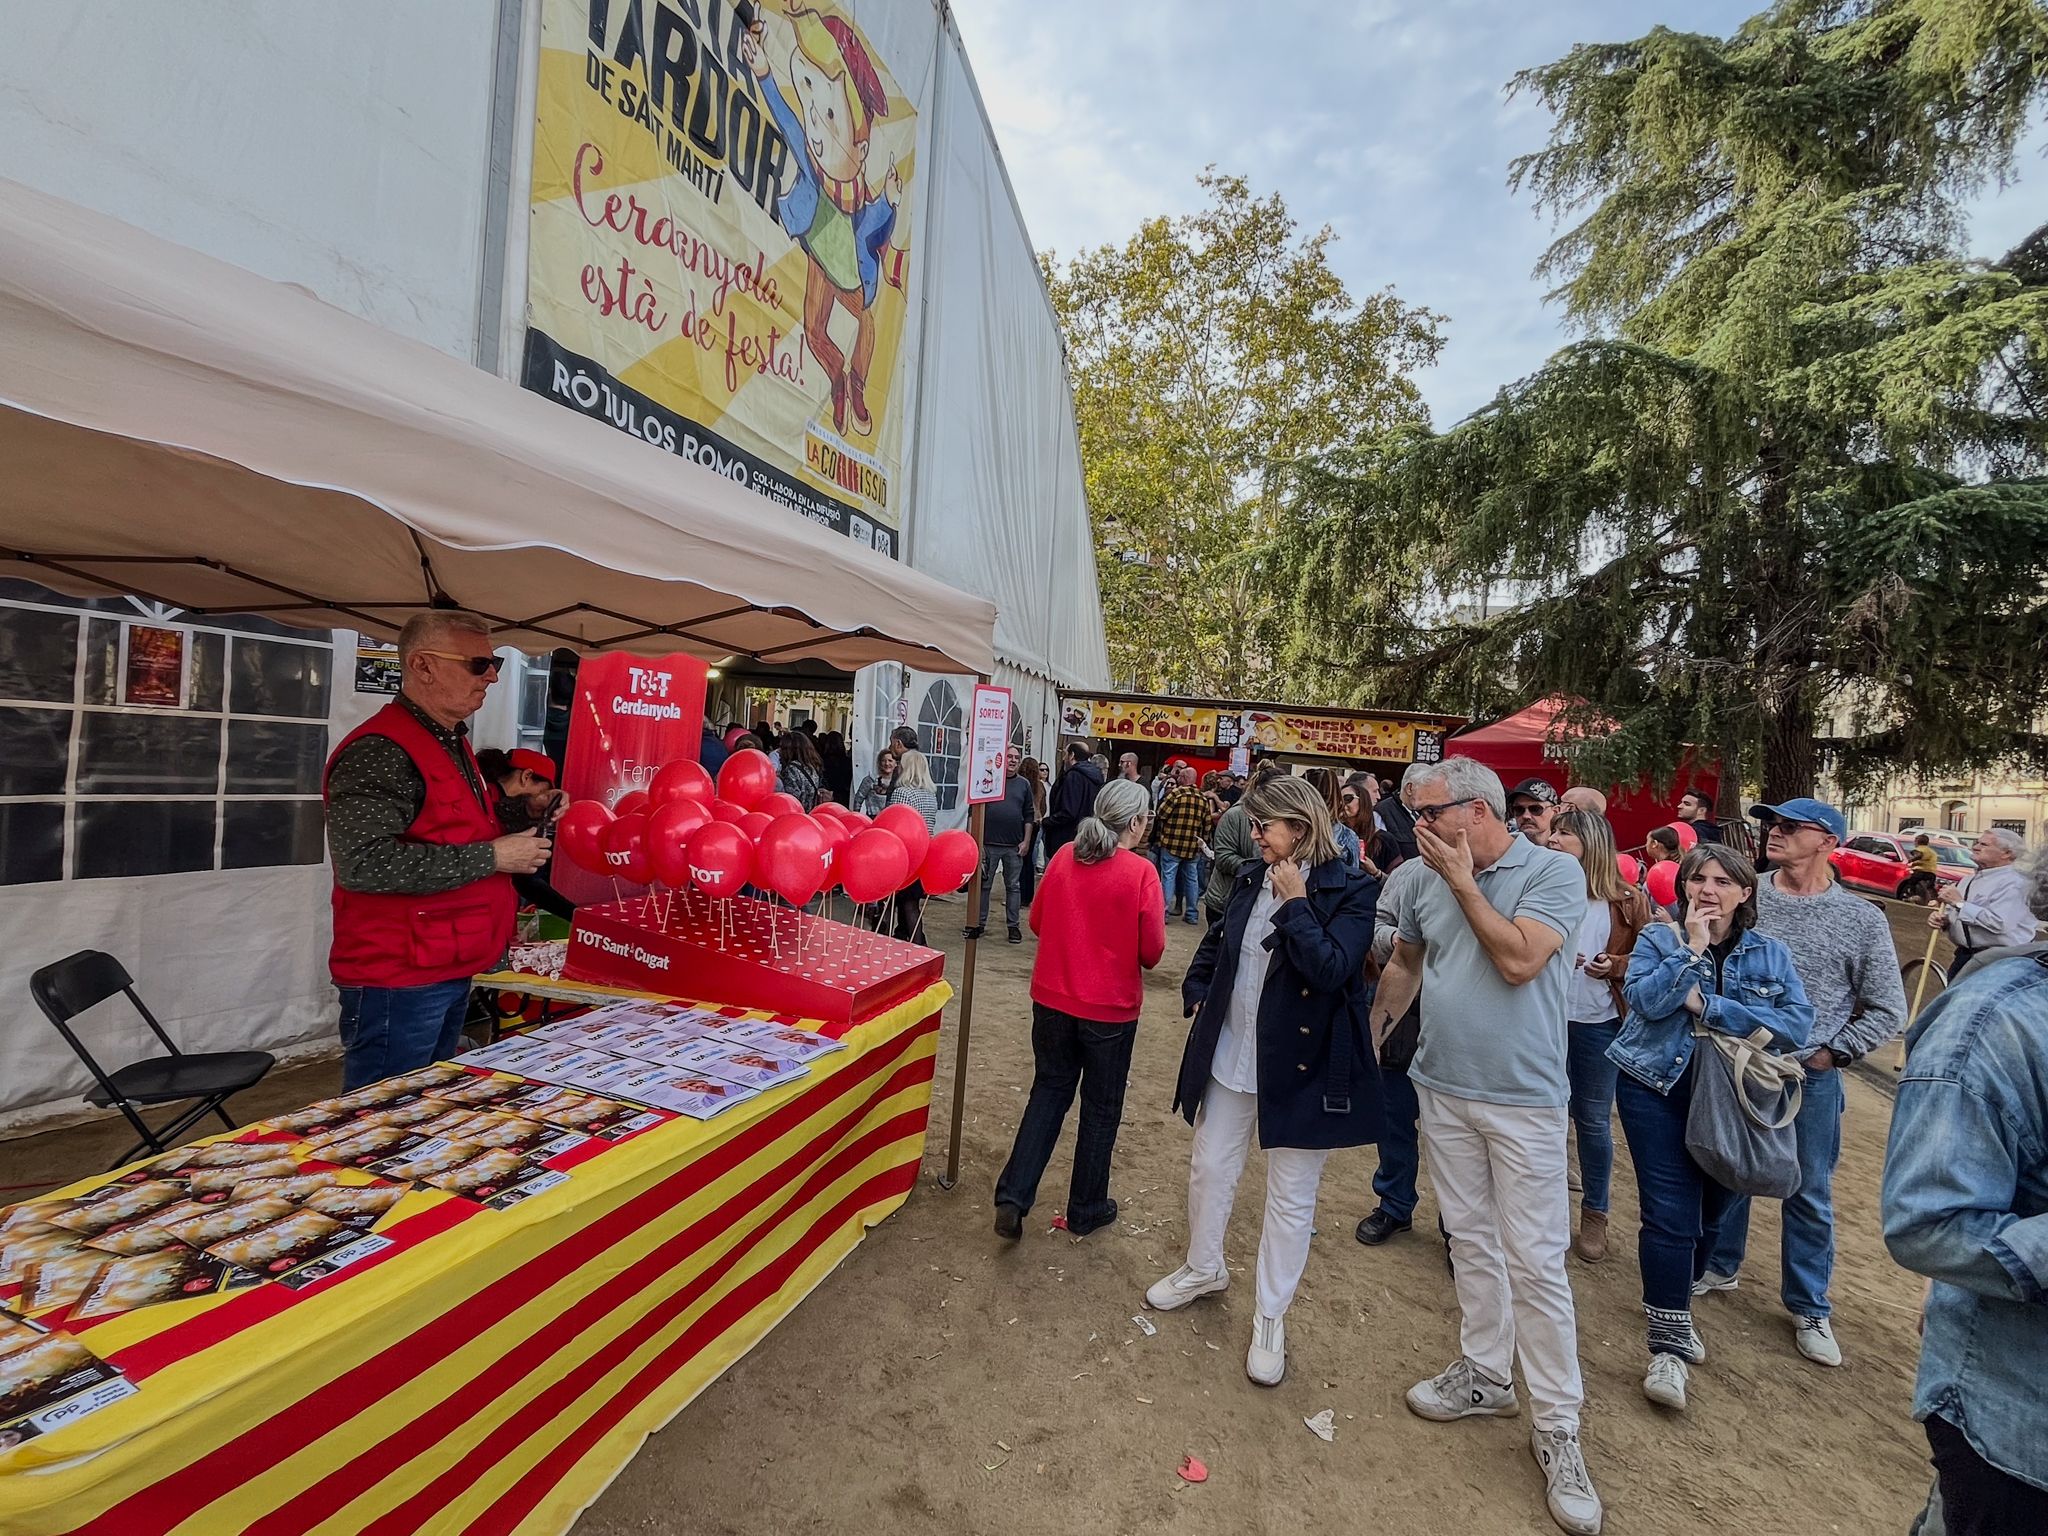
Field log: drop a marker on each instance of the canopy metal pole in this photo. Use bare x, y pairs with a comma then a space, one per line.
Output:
951, 1176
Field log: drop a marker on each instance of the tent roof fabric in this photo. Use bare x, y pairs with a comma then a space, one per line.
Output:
179, 428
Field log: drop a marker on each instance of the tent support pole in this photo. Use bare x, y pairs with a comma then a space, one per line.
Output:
947, 1180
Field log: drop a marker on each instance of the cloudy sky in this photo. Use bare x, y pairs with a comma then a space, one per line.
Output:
1384, 119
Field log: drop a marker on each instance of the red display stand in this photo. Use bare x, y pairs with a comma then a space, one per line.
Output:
746, 952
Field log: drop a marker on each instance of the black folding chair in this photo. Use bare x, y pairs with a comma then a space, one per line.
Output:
68, 987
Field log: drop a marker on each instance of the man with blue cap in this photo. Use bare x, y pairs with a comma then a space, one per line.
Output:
1842, 949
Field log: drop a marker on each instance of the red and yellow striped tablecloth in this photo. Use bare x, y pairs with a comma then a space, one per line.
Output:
493, 1370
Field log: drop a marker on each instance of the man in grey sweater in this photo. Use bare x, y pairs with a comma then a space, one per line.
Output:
1842, 948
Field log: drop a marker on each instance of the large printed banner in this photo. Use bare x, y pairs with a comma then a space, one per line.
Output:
718, 248
1114, 720
1334, 736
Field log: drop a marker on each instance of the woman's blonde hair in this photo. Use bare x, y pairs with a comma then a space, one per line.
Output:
1597, 854
912, 771
1286, 798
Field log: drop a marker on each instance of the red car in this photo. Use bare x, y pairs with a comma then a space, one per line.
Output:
1877, 861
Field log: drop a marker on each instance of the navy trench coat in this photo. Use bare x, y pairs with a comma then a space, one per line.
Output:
1318, 1080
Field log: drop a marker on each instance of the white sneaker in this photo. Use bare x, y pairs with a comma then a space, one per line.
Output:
1666, 1382
1696, 1353
1816, 1341
1573, 1503
1266, 1361
1713, 1282
1460, 1392
1182, 1287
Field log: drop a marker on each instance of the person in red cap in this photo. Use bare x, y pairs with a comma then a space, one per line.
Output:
528, 801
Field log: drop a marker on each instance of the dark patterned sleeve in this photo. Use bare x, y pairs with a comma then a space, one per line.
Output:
373, 794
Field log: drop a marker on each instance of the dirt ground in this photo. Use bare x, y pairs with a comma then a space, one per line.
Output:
942, 1381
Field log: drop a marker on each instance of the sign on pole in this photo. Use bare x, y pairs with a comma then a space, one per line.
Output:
988, 744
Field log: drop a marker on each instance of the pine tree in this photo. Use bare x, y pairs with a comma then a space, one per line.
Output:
1793, 473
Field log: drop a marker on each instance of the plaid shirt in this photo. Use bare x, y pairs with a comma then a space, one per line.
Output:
1182, 825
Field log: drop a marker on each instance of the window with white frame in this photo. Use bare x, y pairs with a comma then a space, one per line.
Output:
134, 741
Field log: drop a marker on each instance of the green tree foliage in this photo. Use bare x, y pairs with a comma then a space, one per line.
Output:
1206, 352
1791, 477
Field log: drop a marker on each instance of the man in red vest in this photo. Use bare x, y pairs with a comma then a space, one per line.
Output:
423, 895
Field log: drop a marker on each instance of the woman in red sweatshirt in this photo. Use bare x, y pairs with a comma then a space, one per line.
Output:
1100, 918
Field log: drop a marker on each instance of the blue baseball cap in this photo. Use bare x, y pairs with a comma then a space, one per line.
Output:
1818, 812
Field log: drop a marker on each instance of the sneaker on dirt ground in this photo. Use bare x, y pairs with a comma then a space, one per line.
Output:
1009, 1222
1459, 1391
1573, 1503
1713, 1282
1816, 1341
1183, 1286
1266, 1361
1665, 1384
1016, 934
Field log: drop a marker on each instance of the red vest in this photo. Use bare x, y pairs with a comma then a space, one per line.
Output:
412, 941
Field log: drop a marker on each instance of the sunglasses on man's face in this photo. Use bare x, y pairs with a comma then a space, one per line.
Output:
479, 666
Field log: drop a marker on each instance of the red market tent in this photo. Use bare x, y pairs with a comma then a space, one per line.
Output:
1522, 747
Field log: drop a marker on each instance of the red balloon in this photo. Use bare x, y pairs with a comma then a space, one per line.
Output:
633, 802
726, 811
950, 860
625, 849
681, 780
747, 778
1631, 867
1686, 833
875, 864
669, 831
904, 821
779, 804
791, 857
854, 821
837, 835
754, 823
578, 831
1663, 882
721, 860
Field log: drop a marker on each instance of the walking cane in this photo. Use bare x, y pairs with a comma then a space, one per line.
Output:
1919, 991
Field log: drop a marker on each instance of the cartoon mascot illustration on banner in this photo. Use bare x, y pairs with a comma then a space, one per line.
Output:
830, 210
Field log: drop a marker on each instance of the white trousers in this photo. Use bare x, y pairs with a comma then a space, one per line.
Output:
1225, 1128
1499, 1172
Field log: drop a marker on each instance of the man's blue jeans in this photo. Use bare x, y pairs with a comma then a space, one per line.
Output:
1008, 863
1808, 1244
1181, 873
1400, 1146
1592, 1078
388, 1030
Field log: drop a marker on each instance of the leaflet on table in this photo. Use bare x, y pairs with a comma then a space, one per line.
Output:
507, 1055
736, 1062
665, 1088
49, 1379
782, 1039
573, 1109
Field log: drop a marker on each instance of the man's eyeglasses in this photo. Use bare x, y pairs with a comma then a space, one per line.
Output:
1429, 813
479, 666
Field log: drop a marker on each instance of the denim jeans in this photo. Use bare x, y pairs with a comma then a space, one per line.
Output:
1592, 1078
1177, 880
1400, 1146
1808, 1244
389, 1030
1071, 1053
1682, 1207
1009, 863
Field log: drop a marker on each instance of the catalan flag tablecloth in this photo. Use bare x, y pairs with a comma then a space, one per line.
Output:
493, 1369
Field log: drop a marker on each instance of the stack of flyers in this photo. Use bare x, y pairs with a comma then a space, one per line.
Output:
358, 1146
298, 1248
435, 1075
412, 1112
216, 1186
646, 1042
474, 1090
567, 1064
312, 1122
27, 1241
293, 1186
375, 1096
418, 1163
359, 1205
507, 1055
211, 1226
782, 1039
113, 1205
667, 1088
49, 1379
176, 1273
737, 1062
574, 1110
57, 1280
498, 1177
534, 1140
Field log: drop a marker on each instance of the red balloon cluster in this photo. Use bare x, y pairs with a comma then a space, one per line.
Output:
721, 836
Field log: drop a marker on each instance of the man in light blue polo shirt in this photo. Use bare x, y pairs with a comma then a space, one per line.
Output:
1488, 940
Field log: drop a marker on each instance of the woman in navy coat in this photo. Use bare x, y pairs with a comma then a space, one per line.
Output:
1280, 1049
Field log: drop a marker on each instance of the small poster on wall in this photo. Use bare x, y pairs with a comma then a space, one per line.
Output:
153, 667
377, 668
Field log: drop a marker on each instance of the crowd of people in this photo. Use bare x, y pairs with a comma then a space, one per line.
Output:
1475, 979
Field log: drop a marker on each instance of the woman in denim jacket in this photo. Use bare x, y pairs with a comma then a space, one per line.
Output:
1708, 971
